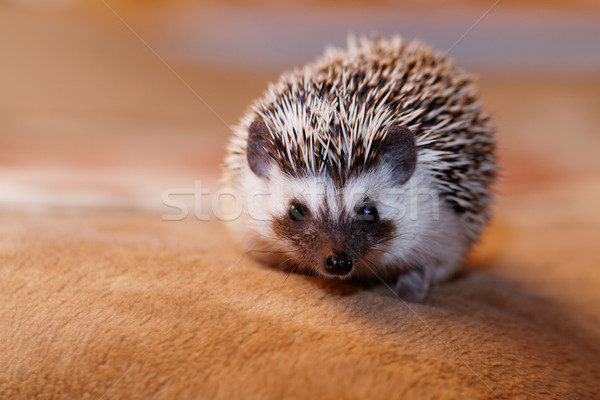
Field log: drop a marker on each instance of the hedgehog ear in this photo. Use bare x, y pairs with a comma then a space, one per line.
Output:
400, 153
258, 149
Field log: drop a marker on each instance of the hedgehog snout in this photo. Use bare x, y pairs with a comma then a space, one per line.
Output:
338, 263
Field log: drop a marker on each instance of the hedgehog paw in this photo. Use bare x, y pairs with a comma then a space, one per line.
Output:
413, 286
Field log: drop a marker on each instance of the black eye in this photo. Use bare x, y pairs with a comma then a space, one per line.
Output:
367, 213
296, 212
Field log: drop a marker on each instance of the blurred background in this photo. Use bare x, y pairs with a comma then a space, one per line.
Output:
106, 104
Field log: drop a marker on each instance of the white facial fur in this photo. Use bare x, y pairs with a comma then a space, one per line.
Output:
428, 233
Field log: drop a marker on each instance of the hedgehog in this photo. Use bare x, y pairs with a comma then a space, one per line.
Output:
376, 161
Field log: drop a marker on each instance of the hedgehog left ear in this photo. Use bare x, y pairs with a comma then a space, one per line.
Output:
400, 153
258, 149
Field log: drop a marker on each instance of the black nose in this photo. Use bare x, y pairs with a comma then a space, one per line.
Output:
338, 263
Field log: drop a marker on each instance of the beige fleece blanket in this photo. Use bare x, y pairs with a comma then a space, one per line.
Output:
129, 306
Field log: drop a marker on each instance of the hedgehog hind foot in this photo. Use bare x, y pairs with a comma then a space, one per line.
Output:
413, 286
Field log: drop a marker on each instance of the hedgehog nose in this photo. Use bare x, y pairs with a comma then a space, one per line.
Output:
338, 263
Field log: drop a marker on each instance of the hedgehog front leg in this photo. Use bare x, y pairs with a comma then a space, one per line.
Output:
413, 285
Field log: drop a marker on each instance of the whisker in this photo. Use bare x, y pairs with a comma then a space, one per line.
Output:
397, 236
366, 259
273, 251
288, 275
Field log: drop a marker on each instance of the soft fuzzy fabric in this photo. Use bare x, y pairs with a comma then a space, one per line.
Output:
128, 306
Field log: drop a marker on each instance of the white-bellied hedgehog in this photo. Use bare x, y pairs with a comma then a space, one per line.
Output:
373, 161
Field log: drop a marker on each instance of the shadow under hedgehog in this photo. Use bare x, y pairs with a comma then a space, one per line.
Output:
372, 161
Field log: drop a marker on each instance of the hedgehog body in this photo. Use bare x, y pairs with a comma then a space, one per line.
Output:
373, 161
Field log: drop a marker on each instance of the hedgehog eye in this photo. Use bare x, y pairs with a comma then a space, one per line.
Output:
367, 213
296, 212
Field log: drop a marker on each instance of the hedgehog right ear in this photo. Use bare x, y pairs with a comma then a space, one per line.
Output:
258, 149
400, 153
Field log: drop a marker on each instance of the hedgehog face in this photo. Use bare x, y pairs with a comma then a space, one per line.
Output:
329, 232
335, 227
